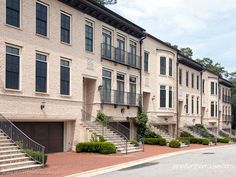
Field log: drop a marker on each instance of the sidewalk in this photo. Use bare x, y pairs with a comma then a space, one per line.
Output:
68, 163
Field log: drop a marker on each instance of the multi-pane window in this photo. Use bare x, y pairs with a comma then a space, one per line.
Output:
41, 73
120, 93
41, 19
106, 86
65, 28
88, 36
198, 82
13, 12
212, 109
162, 96
187, 78
133, 53
216, 88
192, 80
146, 58
212, 88
186, 104
203, 86
163, 65
120, 49
65, 77
106, 45
216, 110
197, 105
170, 97
170, 67
12, 67
180, 76
132, 90
192, 104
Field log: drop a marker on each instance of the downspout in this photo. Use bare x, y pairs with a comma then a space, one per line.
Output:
201, 95
141, 70
218, 95
177, 97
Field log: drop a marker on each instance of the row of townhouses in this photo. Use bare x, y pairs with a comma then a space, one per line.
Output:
61, 60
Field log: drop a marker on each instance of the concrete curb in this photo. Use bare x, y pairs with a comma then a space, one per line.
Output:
140, 161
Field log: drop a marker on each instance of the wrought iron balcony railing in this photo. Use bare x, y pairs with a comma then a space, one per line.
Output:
119, 97
120, 56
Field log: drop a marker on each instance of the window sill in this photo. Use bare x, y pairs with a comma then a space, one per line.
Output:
41, 93
66, 96
68, 44
89, 52
13, 90
11, 26
42, 36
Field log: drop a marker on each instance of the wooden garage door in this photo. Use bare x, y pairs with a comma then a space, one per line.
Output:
49, 134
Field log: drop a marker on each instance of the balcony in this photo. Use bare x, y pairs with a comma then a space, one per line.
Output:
119, 56
227, 118
227, 99
119, 98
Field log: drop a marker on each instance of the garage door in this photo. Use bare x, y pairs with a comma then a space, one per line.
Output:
49, 134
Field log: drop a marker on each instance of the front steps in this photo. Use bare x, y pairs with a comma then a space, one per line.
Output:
226, 134
111, 136
12, 158
190, 131
162, 133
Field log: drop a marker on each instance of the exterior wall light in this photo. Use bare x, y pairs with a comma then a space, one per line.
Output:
43, 105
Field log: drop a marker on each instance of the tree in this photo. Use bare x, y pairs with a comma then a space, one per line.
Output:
175, 46
213, 67
107, 2
187, 52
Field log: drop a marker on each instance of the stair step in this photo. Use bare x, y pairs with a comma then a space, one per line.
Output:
2, 148
12, 155
10, 151
16, 164
14, 160
20, 168
6, 144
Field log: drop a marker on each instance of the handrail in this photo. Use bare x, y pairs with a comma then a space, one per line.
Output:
104, 125
24, 142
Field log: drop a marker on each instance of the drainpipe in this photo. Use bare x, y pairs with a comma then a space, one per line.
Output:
141, 70
218, 95
201, 95
177, 96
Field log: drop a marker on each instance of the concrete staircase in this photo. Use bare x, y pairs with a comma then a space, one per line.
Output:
214, 134
12, 158
226, 134
162, 133
111, 136
193, 133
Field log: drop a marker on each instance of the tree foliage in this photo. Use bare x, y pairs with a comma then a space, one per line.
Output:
107, 2
187, 52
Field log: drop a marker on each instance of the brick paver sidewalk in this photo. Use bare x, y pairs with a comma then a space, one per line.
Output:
68, 163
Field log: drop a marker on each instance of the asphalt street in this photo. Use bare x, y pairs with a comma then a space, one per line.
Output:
206, 163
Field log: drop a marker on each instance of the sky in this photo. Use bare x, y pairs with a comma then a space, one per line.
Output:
206, 26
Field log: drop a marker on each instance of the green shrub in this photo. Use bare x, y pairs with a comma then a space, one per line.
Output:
199, 140
205, 141
186, 134
185, 140
194, 140
36, 155
223, 140
97, 138
134, 142
101, 117
174, 144
150, 134
155, 141
98, 147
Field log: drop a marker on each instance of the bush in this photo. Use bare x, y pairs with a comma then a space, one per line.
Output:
174, 144
134, 142
223, 140
185, 134
36, 155
98, 147
205, 141
150, 134
155, 141
97, 138
101, 117
194, 140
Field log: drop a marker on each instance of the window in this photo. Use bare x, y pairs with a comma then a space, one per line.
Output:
132, 54
203, 86
170, 67
12, 67
65, 28
162, 96
187, 78
216, 87
216, 109
13, 12
41, 73
197, 105
212, 109
163, 65
180, 76
106, 86
65, 77
106, 46
212, 88
192, 80
120, 93
146, 58
192, 104
88, 36
198, 82
132, 90
170, 97
186, 106
41, 19
120, 50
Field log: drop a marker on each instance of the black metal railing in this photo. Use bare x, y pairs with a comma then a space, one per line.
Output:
22, 140
226, 118
120, 56
227, 99
119, 97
